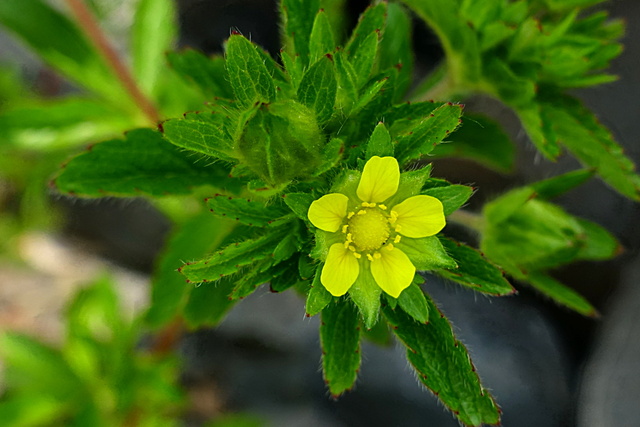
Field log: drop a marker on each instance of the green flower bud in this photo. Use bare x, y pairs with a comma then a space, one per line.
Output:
280, 142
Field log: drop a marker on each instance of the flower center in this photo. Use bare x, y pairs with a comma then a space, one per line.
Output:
369, 229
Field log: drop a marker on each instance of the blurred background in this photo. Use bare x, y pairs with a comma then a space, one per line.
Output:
546, 366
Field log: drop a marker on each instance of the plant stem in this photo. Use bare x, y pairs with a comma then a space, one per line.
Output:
468, 219
91, 28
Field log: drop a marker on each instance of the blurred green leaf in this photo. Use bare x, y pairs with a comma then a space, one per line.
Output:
396, 48
340, 339
480, 139
142, 163
153, 33
443, 365
191, 240
560, 293
31, 410
209, 303
558, 185
598, 243
207, 73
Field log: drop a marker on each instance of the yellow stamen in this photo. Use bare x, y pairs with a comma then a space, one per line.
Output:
389, 247
352, 248
357, 255
398, 228
351, 214
345, 228
362, 212
377, 255
383, 207
397, 239
369, 257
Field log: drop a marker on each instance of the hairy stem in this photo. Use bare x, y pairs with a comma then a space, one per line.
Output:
91, 28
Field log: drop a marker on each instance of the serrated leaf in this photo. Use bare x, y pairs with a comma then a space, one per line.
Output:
444, 366
560, 293
558, 185
426, 253
474, 270
346, 76
453, 196
299, 204
142, 163
413, 302
365, 293
508, 204
298, 16
153, 33
230, 259
248, 74
318, 297
340, 339
321, 40
249, 212
536, 122
293, 69
370, 22
287, 276
593, 145
318, 88
207, 73
422, 137
251, 278
480, 139
208, 303
199, 136
379, 143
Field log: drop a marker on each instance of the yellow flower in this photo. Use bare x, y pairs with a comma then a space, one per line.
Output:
368, 229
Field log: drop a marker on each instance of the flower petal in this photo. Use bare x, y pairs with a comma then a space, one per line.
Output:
393, 271
380, 179
328, 211
419, 216
340, 270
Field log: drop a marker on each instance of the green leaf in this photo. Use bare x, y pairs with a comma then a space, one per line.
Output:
426, 253
252, 278
331, 155
413, 302
68, 122
598, 243
365, 293
379, 143
560, 293
536, 236
207, 73
36, 367
363, 60
593, 145
480, 139
453, 197
192, 240
142, 163
293, 68
299, 204
230, 259
153, 33
208, 303
443, 365
57, 40
249, 212
371, 22
426, 133
558, 185
32, 411
396, 49
318, 297
199, 136
321, 40
346, 76
287, 276
298, 17
508, 204
318, 88
537, 124
248, 74
340, 339
474, 270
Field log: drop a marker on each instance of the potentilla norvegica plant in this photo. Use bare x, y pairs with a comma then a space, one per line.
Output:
313, 170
